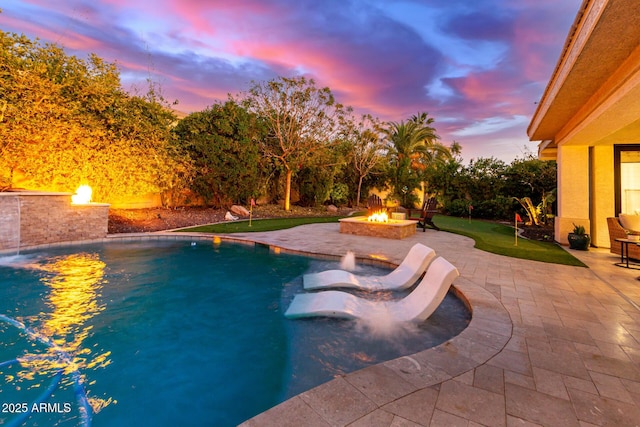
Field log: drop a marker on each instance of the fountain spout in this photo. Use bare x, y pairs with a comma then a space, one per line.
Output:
348, 261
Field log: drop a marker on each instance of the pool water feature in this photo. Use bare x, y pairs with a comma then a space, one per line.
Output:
170, 333
348, 261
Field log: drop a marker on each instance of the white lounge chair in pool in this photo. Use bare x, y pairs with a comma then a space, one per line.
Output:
415, 307
403, 277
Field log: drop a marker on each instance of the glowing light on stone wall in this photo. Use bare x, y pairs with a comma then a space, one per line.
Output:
82, 196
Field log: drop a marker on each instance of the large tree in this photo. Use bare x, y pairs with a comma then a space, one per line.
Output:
530, 177
366, 146
301, 120
412, 147
221, 143
66, 121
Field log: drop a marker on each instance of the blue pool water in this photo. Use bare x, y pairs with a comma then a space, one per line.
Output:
175, 333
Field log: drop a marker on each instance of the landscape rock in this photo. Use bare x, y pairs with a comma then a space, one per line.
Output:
229, 217
332, 208
239, 210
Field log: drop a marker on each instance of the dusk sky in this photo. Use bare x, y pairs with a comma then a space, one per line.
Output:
476, 66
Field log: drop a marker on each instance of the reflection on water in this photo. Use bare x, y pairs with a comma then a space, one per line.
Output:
192, 331
74, 283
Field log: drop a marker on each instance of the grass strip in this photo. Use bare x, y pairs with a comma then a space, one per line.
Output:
500, 239
271, 224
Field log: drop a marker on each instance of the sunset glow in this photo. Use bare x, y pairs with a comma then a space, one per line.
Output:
465, 63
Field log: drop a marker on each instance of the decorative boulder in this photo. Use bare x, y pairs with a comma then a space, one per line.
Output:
229, 217
332, 208
239, 210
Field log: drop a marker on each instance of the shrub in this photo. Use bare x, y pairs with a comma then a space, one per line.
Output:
339, 194
314, 186
457, 207
497, 208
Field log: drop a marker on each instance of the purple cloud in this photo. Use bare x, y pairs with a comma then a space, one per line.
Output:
476, 67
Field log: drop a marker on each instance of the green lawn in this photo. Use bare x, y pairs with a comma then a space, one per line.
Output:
259, 225
500, 239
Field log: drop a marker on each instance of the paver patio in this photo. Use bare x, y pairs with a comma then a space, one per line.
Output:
548, 345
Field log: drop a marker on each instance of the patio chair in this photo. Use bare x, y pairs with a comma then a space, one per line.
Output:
374, 205
415, 307
616, 231
425, 215
403, 277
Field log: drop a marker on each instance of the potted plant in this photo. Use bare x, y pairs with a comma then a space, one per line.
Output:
579, 239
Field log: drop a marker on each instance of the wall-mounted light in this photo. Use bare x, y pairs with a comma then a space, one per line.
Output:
82, 196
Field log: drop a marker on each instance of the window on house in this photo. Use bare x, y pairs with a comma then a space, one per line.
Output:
627, 159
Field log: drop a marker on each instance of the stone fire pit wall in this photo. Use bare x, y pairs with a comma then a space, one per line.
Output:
34, 218
394, 229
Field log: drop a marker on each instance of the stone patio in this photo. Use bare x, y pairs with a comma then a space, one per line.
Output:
548, 345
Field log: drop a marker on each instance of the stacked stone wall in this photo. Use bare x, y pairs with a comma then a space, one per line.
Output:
9, 222
396, 229
48, 218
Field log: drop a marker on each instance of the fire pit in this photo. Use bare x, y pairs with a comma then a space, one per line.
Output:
378, 224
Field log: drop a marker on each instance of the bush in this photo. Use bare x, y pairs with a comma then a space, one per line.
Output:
226, 164
457, 207
339, 194
314, 186
498, 208
408, 200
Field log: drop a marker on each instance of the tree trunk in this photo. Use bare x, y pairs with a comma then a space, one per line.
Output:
287, 191
359, 187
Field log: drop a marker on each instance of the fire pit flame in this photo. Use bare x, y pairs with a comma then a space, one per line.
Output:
378, 217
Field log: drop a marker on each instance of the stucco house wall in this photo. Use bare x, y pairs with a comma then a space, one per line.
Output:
590, 106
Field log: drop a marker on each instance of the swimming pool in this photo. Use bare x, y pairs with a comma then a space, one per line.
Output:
173, 333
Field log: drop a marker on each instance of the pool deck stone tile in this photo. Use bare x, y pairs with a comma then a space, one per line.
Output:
547, 345
292, 413
338, 402
380, 384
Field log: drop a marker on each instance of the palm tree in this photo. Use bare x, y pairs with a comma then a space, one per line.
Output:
412, 148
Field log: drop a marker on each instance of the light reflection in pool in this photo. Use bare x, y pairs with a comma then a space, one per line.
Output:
73, 284
156, 332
